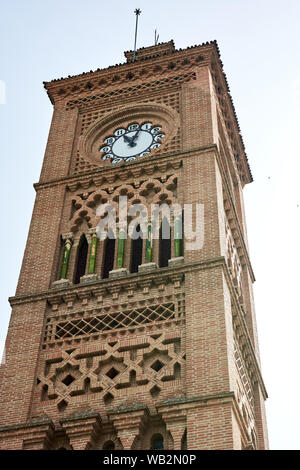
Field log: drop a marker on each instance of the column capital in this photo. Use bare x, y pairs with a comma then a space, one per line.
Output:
68, 236
93, 232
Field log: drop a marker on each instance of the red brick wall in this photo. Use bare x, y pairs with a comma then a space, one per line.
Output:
214, 403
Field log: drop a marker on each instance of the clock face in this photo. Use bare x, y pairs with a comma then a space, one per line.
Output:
134, 141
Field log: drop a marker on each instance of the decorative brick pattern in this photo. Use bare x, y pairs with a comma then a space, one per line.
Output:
110, 321
169, 352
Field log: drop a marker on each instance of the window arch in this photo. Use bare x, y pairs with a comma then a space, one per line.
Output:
109, 254
81, 259
157, 442
164, 243
136, 251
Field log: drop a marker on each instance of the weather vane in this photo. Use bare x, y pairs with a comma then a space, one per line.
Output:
137, 11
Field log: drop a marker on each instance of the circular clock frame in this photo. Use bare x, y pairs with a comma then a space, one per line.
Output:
159, 115
131, 143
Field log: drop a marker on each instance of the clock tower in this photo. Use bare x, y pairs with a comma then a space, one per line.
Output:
143, 338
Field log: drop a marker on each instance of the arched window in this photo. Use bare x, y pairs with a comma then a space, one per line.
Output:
81, 259
136, 252
108, 445
164, 243
109, 254
157, 442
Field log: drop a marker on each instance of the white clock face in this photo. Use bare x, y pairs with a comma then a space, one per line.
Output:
129, 143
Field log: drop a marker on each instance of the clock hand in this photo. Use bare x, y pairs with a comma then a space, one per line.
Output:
127, 139
133, 144
135, 135
131, 140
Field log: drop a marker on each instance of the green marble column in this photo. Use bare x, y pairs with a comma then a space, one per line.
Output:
93, 253
121, 249
148, 252
178, 236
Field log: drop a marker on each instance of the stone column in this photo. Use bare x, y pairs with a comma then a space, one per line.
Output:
93, 242
148, 265
120, 270
66, 255
178, 235
68, 242
148, 252
93, 253
178, 241
121, 249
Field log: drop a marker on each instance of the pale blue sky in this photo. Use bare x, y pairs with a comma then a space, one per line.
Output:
259, 44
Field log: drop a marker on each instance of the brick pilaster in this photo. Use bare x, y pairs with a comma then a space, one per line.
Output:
34, 435
175, 423
129, 425
82, 430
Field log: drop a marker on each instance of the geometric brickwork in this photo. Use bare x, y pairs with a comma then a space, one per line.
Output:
148, 343
110, 320
150, 364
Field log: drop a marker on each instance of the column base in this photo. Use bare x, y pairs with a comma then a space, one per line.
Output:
175, 261
61, 284
115, 273
88, 278
144, 268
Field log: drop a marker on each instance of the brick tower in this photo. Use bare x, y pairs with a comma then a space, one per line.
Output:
137, 343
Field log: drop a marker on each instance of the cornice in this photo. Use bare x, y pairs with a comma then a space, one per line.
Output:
145, 165
28, 425
164, 274
136, 64
188, 403
127, 74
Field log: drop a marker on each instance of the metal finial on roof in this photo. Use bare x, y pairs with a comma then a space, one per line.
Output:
156, 37
137, 12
